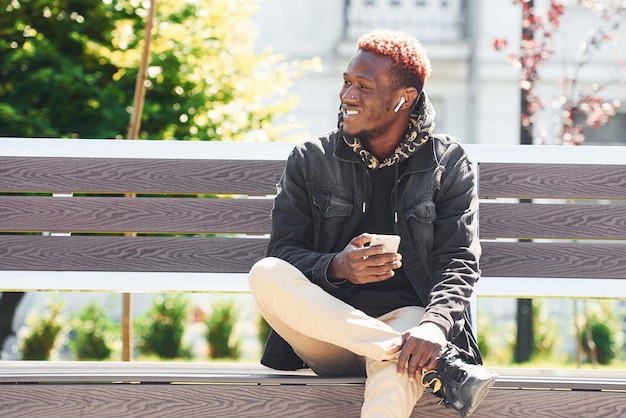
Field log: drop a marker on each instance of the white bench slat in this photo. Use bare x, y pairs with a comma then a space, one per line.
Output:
108, 148
538, 287
254, 373
122, 282
159, 282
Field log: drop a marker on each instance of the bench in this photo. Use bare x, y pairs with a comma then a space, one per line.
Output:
60, 195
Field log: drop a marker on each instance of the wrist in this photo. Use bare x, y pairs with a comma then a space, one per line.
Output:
332, 275
435, 327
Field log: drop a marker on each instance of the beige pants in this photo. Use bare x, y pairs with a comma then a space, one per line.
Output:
333, 338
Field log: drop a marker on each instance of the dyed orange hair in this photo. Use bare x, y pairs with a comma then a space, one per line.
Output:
411, 64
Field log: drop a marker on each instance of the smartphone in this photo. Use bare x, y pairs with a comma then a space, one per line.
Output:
390, 243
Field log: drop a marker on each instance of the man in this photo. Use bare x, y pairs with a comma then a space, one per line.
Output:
343, 307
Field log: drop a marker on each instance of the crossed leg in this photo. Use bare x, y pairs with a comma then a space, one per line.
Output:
334, 338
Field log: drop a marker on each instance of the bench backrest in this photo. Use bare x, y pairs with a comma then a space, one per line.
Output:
132, 207
549, 213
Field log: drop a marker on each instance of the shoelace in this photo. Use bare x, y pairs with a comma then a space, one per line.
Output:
430, 379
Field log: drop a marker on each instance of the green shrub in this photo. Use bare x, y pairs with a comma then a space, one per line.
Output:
599, 317
219, 334
42, 332
603, 337
162, 326
92, 334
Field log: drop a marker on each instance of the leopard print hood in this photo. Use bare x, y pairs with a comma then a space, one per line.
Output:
421, 125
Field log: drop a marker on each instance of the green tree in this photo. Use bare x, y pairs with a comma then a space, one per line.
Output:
206, 80
53, 81
68, 69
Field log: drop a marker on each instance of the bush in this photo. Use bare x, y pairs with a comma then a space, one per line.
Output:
599, 318
92, 334
41, 333
162, 327
219, 334
603, 338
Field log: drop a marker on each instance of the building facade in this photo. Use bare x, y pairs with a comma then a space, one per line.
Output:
475, 91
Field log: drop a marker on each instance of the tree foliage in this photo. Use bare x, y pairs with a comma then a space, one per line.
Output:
52, 83
581, 105
68, 69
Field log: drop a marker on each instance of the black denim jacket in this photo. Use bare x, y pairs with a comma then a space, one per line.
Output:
324, 193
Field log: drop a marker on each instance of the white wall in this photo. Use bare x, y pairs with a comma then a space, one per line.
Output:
303, 30
300, 28
497, 95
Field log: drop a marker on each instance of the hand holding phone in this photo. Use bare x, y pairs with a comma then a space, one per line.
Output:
390, 243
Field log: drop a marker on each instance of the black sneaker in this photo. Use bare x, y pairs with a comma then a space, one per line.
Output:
460, 384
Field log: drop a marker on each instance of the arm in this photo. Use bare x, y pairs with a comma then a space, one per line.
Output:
454, 267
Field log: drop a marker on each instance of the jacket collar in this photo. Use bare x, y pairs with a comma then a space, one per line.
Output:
419, 130
419, 133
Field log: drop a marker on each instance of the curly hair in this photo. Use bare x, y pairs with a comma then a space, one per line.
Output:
411, 64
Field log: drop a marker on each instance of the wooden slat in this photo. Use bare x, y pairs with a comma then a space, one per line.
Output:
139, 175
552, 221
134, 254
141, 215
156, 400
166, 400
572, 260
554, 181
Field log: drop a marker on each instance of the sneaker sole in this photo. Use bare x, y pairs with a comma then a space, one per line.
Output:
478, 399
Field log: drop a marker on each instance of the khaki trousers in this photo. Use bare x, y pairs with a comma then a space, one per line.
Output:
334, 338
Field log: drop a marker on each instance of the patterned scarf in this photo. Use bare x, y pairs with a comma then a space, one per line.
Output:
421, 125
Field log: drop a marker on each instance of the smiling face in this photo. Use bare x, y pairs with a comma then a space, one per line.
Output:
368, 99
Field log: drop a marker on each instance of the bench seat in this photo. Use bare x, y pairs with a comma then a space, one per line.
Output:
155, 389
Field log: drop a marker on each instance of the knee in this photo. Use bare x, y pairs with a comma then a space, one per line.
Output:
258, 270
262, 272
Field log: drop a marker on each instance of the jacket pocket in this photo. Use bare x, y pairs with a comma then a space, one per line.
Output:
420, 217
423, 211
331, 212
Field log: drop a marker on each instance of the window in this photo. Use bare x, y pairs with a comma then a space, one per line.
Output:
613, 133
432, 21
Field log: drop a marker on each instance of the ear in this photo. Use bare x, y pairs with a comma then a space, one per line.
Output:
410, 94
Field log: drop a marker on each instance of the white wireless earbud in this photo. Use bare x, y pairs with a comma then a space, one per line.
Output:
400, 103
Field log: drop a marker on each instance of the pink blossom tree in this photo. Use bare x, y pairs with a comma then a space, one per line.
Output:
581, 106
